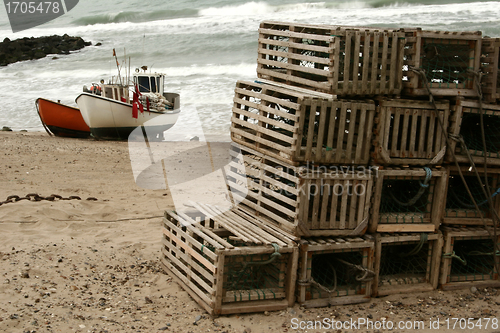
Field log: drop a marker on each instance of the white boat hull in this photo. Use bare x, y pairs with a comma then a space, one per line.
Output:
110, 119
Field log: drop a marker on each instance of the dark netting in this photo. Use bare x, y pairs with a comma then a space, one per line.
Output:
472, 260
458, 202
260, 275
405, 263
404, 200
470, 130
336, 272
446, 62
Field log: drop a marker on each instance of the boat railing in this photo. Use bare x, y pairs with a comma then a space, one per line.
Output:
116, 92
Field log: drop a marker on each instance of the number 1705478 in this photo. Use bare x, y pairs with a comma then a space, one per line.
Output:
472, 324
45, 7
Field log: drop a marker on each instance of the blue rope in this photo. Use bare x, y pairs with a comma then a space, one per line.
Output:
423, 187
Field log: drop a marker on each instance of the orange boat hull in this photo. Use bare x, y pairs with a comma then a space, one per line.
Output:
62, 120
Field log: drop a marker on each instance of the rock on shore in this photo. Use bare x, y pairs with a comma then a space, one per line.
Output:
36, 48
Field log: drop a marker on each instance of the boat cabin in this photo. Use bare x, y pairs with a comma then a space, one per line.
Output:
149, 83
118, 89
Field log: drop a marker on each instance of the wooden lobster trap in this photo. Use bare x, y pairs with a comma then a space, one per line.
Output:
460, 208
465, 124
408, 132
334, 271
298, 127
447, 63
406, 262
471, 257
408, 200
490, 68
304, 201
228, 261
344, 61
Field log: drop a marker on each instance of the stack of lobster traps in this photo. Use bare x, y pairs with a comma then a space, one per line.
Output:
366, 158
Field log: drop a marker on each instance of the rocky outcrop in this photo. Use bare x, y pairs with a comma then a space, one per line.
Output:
36, 48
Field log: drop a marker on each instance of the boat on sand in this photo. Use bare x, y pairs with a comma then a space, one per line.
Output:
112, 113
61, 120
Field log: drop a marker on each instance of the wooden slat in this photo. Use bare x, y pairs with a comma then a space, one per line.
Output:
250, 226
310, 130
188, 286
193, 268
341, 132
215, 240
406, 227
375, 62
353, 219
321, 132
193, 253
362, 134
352, 130
239, 232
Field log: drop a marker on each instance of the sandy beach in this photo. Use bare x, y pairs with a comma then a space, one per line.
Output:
93, 265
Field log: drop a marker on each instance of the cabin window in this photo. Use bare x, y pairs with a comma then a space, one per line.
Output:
148, 84
153, 85
143, 82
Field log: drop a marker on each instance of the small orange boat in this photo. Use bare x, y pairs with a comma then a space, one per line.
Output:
61, 120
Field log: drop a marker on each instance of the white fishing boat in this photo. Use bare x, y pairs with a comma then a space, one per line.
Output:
112, 114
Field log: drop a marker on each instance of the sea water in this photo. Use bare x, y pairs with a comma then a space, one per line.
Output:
204, 47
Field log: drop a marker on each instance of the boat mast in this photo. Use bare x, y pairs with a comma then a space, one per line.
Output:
117, 67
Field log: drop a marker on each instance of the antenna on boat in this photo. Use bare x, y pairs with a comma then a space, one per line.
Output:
128, 76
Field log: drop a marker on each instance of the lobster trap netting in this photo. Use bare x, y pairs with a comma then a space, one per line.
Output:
406, 200
473, 259
470, 130
458, 202
338, 274
255, 276
447, 62
405, 262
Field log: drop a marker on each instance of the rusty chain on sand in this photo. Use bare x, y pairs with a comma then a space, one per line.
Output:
36, 197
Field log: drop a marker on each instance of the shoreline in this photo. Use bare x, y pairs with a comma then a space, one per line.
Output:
93, 266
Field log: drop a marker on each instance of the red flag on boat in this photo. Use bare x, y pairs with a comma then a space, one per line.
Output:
136, 105
135, 112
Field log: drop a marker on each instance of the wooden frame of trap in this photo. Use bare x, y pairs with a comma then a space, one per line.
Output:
408, 132
406, 280
353, 288
228, 261
459, 211
426, 218
463, 264
327, 201
454, 58
296, 126
490, 67
339, 60
464, 114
